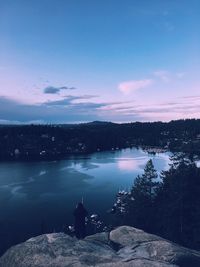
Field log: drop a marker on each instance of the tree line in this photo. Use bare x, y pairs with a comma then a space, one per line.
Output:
27, 142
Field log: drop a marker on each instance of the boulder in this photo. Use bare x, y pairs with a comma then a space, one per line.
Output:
123, 247
127, 235
138, 263
57, 250
136, 243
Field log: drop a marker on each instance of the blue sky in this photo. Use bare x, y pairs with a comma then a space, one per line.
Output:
67, 61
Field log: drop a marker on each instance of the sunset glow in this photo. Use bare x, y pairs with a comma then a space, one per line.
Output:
79, 61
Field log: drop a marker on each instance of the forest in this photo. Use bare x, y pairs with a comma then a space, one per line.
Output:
35, 142
167, 206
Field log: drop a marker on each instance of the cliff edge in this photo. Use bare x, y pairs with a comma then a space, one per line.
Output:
123, 247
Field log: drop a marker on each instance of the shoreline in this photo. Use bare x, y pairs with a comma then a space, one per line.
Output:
50, 157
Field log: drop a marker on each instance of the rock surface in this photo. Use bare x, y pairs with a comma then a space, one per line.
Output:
123, 247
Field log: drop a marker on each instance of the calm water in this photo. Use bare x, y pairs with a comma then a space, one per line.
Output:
45, 193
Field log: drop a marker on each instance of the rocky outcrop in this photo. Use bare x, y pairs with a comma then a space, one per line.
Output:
123, 247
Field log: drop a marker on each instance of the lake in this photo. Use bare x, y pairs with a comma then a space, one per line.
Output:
35, 195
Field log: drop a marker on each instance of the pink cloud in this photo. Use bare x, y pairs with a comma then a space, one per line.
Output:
130, 86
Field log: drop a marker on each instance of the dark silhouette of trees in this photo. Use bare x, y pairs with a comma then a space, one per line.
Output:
169, 208
178, 202
142, 195
36, 142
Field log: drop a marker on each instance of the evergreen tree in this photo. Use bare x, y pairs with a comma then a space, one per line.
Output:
178, 203
141, 200
169, 208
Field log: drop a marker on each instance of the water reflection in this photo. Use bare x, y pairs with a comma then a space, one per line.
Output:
127, 164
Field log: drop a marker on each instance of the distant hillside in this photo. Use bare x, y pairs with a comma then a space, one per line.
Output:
57, 141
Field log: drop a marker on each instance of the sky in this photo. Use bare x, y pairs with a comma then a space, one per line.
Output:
73, 61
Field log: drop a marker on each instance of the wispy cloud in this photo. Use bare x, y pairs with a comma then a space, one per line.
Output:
59, 112
68, 100
164, 75
83, 108
70, 109
182, 108
56, 90
167, 76
191, 97
128, 87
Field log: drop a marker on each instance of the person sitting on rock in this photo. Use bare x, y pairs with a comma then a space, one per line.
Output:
80, 213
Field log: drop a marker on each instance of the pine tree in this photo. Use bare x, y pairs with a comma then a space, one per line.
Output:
145, 185
178, 204
140, 213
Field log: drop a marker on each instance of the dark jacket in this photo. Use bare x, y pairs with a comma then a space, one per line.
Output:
80, 213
